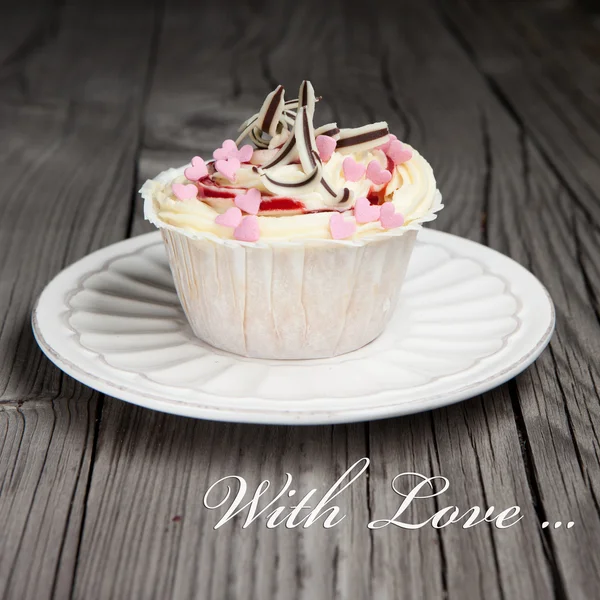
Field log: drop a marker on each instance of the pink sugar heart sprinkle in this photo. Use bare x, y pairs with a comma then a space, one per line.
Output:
197, 171
389, 217
232, 217
248, 230
365, 212
228, 167
376, 174
249, 202
353, 171
229, 149
399, 153
385, 147
185, 192
326, 146
245, 153
339, 227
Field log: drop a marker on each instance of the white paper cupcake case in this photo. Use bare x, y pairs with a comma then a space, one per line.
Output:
286, 300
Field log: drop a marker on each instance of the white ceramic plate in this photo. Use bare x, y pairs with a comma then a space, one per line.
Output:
469, 319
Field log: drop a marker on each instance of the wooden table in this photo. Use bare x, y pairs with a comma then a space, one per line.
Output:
100, 499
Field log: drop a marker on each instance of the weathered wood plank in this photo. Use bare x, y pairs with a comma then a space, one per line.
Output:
53, 212
543, 59
147, 527
84, 53
45, 457
68, 166
69, 121
25, 25
558, 396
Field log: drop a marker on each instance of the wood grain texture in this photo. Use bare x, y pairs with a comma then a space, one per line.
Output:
69, 122
104, 500
152, 469
553, 181
45, 456
560, 435
542, 59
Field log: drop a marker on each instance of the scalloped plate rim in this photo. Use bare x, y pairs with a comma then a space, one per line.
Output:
204, 406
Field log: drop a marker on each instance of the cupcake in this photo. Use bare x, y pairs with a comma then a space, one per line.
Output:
292, 242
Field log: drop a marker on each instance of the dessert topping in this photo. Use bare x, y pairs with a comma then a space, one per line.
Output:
185, 192
197, 170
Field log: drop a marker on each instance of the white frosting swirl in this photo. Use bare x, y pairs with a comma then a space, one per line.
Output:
412, 189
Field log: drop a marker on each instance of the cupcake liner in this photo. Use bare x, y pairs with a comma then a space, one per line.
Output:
303, 301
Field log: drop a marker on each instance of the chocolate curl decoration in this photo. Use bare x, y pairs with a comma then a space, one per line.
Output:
305, 138
306, 97
291, 104
302, 144
362, 138
270, 112
331, 129
289, 117
269, 120
258, 140
302, 140
285, 156
284, 117
277, 115
245, 128
304, 129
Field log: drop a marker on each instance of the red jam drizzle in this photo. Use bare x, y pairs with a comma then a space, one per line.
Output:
376, 197
210, 190
280, 204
